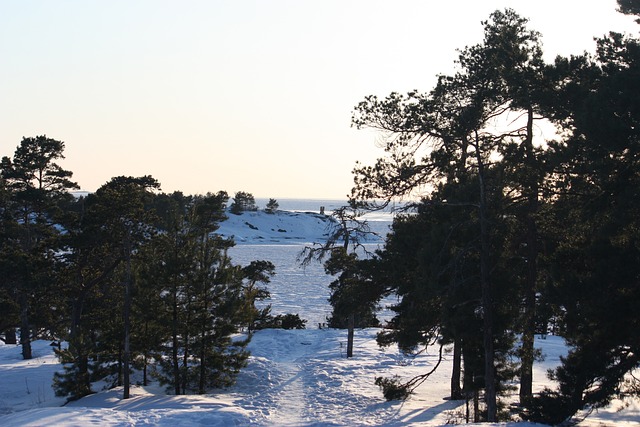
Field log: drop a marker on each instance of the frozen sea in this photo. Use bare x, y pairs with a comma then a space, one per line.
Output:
292, 282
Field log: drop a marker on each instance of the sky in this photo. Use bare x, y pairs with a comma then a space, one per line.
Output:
239, 95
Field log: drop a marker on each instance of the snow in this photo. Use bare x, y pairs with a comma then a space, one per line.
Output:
294, 377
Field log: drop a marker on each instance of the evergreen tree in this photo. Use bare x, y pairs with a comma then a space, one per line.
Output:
354, 294
113, 224
181, 299
430, 260
33, 187
346, 236
9, 309
257, 272
164, 266
629, 7
125, 202
243, 202
457, 132
272, 206
595, 259
203, 295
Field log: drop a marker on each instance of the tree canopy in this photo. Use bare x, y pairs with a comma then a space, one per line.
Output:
512, 230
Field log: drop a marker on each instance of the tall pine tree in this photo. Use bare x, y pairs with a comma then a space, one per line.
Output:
34, 185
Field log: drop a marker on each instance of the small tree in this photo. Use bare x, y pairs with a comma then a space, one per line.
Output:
348, 231
272, 206
256, 273
354, 296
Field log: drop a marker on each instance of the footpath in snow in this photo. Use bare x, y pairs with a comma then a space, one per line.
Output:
311, 382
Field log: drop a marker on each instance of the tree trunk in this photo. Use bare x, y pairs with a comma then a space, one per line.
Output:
188, 325
83, 375
185, 357
127, 317
529, 300
476, 407
528, 333
76, 313
487, 298
456, 391
174, 343
203, 365
25, 327
203, 343
146, 356
487, 312
77, 344
119, 380
351, 326
526, 367
145, 381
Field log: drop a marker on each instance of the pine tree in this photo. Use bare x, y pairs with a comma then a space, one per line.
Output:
629, 7
257, 272
203, 295
455, 132
354, 295
33, 186
595, 259
113, 224
347, 233
243, 202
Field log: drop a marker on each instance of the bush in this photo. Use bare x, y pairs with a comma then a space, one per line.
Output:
549, 407
393, 389
291, 321
282, 321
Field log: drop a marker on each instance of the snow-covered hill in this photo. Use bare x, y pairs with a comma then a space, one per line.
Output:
289, 227
281, 227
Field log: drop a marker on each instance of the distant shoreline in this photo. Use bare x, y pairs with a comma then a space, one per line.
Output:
303, 205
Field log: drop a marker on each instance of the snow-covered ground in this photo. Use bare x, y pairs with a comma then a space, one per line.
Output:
294, 378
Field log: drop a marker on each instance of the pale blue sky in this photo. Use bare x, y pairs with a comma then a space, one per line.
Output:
238, 95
